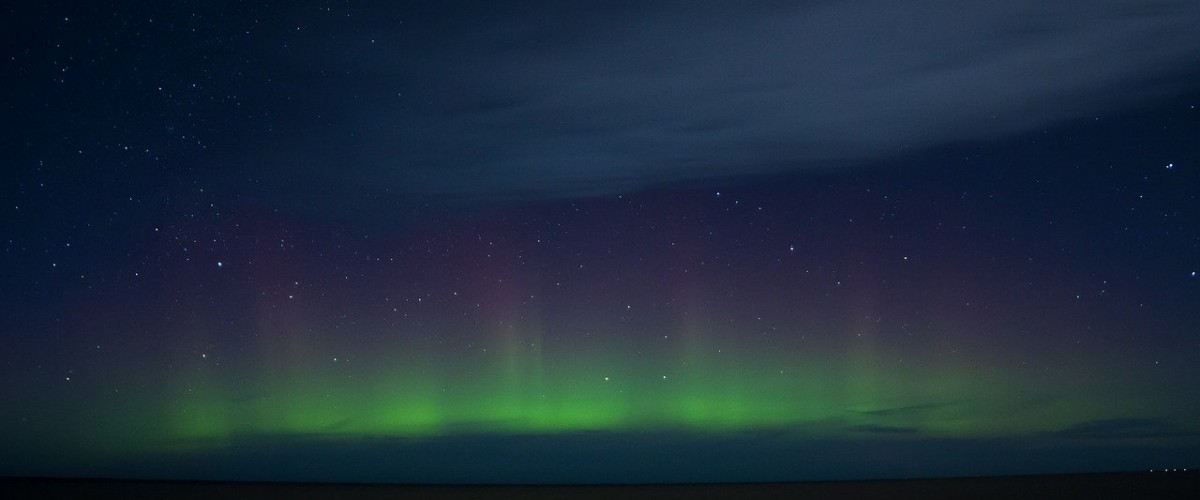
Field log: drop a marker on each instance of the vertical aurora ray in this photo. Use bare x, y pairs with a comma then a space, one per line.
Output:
518, 341
512, 373
712, 379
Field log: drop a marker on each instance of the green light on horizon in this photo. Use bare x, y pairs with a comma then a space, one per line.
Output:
421, 392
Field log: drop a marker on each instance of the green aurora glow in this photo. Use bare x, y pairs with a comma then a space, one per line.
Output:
517, 386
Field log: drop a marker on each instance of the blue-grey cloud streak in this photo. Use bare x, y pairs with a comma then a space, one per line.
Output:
558, 100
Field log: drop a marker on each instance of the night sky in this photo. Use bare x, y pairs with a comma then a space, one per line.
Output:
467, 242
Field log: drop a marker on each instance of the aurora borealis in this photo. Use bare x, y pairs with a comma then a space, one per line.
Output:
290, 251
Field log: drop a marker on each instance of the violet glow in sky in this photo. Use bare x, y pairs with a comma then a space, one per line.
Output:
495, 244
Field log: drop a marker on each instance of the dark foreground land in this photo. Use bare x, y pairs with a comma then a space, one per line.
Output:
1157, 485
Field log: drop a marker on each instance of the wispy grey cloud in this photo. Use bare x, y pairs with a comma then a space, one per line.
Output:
903, 410
561, 100
1126, 428
882, 429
